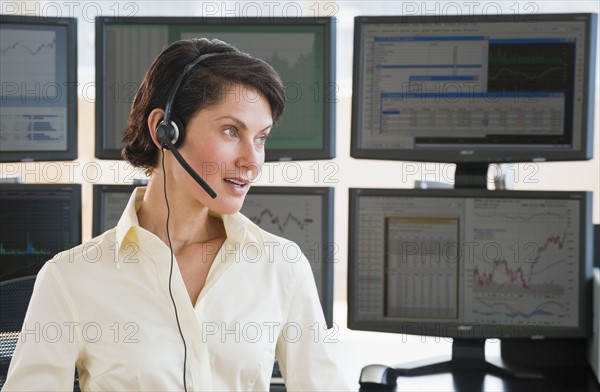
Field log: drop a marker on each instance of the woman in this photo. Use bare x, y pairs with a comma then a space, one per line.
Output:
185, 293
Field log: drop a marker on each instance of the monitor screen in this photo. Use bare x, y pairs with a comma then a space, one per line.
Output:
37, 222
303, 215
302, 51
109, 203
474, 88
470, 263
38, 108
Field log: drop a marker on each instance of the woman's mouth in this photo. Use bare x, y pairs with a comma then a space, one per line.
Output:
237, 184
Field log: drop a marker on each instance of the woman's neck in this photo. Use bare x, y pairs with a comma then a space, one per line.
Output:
189, 221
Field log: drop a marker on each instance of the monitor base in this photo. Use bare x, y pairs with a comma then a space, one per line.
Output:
469, 355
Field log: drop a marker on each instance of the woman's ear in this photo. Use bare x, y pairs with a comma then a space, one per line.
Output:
154, 119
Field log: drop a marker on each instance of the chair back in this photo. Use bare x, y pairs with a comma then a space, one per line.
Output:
14, 300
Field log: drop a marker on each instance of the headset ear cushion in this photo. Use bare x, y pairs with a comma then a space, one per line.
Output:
173, 131
179, 131
164, 131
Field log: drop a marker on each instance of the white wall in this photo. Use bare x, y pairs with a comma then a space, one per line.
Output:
343, 172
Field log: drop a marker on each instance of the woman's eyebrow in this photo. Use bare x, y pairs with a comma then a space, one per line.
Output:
239, 123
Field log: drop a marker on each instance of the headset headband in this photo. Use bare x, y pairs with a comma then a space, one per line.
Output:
186, 70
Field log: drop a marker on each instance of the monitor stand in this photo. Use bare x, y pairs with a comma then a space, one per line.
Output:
471, 175
469, 355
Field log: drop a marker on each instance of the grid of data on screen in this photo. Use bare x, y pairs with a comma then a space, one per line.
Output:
424, 83
470, 260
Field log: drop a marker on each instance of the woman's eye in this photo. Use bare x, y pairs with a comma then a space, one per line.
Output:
231, 132
262, 139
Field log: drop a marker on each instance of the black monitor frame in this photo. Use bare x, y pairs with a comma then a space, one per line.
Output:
459, 151
475, 331
99, 192
75, 208
70, 89
327, 96
327, 245
468, 344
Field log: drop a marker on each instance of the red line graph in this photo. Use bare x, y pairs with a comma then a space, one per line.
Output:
516, 276
485, 279
557, 240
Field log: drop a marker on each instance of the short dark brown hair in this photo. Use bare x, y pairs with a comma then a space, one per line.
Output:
204, 86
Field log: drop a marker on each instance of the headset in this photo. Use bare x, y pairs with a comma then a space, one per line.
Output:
171, 131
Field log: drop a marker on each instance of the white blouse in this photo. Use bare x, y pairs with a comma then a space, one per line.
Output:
105, 308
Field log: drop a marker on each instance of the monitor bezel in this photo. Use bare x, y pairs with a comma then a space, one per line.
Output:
473, 153
329, 103
76, 203
71, 90
99, 192
583, 329
328, 250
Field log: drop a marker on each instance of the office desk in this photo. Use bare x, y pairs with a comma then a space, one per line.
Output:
575, 379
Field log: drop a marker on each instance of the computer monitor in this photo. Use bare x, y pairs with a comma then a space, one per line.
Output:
302, 51
38, 98
489, 88
303, 215
470, 264
597, 245
37, 222
108, 205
